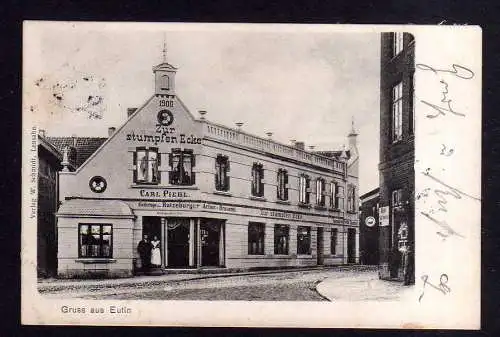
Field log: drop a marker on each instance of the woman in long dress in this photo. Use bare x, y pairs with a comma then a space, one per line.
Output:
155, 252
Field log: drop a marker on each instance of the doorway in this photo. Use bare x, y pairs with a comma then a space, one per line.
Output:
178, 243
351, 245
319, 246
210, 234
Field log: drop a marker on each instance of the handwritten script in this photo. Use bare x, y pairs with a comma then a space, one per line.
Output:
445, 105
443, 191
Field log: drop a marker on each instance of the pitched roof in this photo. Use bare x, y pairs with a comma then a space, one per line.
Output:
84, 146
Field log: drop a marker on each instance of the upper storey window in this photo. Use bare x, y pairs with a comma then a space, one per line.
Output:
282, 188
181, 167
320, 192
397, 43
351, 198
397, 112
304, 189
257, 180
146, 162
221, 173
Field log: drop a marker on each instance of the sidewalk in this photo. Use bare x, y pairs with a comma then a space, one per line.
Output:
364, 286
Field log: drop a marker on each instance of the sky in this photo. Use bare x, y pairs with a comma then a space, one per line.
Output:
300, 82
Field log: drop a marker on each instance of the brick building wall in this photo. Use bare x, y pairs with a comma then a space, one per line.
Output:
396, 157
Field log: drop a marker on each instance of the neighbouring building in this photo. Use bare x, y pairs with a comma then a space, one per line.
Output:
214, 196
368, 227
49, 162
397, 155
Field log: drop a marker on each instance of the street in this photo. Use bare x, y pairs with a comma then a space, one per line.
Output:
256, 286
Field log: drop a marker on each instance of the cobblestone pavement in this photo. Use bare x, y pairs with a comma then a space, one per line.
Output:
275, 286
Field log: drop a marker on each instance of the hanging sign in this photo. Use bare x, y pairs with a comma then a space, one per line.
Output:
370, 221
383, 216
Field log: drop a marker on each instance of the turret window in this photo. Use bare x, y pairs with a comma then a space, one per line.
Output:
165, 82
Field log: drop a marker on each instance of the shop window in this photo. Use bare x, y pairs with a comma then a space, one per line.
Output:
146, 162
351, 198
221, 173
257, 180
181, 167
95, 240
282, 188
397, 112
339, 197
397, 43
304, 189
256, 238
281, 239
333, 241
303, 240
320, 192
333, 189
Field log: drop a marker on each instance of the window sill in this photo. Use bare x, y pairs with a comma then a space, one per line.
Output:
333, 209
300, 204
253, 197
283, 202
172, 187
224, 193
320, 207
95, 260
352, 212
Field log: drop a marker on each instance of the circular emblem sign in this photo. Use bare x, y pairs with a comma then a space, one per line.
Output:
165, 117
370, 221
98, 184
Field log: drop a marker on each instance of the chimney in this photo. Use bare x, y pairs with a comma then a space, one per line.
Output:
73, 136
300, 145
202, 114
41, 132
269, 135
239, 125
111, 130
130, 111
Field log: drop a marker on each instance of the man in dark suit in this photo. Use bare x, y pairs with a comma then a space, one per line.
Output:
144, 250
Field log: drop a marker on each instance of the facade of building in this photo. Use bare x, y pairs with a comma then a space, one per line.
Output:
397, 155
49, 162
368, 227
213, 196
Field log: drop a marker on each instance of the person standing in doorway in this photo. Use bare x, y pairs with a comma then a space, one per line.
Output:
144, 250
155, 252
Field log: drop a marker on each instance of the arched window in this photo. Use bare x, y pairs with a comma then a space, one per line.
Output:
165, 82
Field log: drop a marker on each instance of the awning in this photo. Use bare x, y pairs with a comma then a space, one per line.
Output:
95, 208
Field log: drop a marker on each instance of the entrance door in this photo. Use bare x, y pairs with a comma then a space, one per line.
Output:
319, 246
210, 235
178, 243
351, 245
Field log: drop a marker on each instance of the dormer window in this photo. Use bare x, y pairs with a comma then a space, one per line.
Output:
165, 82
